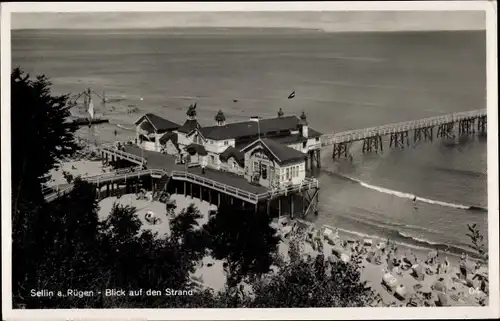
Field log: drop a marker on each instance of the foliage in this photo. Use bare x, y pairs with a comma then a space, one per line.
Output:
40, 134
244, 239
185, 231
307, 282
40, 137
477, 240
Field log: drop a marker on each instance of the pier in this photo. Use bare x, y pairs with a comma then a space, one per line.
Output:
137, 168
403, 134
159, 173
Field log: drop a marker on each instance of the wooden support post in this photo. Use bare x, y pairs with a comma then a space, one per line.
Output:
303, 194
209, 197
268, 209
279, 206
107, 190
201, 193
291, 205
191, 190
231, 199
218, 199
256, 207
185, 189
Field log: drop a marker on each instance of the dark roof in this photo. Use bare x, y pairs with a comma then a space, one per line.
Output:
160, 124
290, 139
169, 136
196, 148
282, 153
189, 125
311, 133
268, 126
235, 153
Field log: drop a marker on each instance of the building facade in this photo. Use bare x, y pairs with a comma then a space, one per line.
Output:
269, 152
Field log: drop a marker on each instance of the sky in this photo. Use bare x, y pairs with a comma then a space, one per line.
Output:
327, 21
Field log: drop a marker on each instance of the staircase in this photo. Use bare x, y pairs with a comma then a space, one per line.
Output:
161, 187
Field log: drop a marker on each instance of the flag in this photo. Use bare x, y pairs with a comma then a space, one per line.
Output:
292, 95
91, 109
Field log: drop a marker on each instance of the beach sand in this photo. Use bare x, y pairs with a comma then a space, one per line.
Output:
210, 272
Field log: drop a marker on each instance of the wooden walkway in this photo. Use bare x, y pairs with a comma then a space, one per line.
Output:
160, 165
361, 134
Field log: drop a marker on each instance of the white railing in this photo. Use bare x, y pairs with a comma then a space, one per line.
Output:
221, 187
359, 134
306, 184
128, 156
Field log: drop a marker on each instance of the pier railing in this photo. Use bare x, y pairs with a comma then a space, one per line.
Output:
224, 188
253, 198
127, 156
307, 184
360, 134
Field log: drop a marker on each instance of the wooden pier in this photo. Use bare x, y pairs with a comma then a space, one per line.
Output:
469, 122
158, 172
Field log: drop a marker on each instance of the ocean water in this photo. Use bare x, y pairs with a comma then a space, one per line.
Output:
342, 81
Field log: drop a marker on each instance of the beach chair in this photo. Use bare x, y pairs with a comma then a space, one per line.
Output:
401, 292
442, 300
439, 286
389, 281
417, 272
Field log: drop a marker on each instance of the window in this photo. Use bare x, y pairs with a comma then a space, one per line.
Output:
226, 142
256, 168
233, 164
304, 144
264, 171
288, 173
212, 158
317, 139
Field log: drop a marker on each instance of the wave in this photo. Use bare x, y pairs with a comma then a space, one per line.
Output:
124, 127
463, 172
415, 197
409, 241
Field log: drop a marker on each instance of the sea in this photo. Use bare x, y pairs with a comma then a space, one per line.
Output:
342, 81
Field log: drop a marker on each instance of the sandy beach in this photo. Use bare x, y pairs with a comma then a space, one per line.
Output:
428, 288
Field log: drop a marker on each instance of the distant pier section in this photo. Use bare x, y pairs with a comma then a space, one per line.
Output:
403, 133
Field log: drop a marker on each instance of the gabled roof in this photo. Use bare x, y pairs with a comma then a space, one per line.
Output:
282, 153
169, 136
233, 152
311, 133
188, 126
159, 124
268, 127
196, 148
289, 139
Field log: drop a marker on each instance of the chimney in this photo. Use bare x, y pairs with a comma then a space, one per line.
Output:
303, 125
220, 119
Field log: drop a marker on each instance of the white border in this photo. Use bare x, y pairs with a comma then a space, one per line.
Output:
228, 314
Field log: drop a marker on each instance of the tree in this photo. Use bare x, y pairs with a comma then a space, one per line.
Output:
302, 282
244, 239
186, 231
40, 137
40, 134
477, 240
